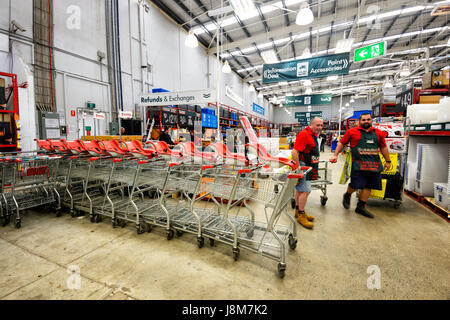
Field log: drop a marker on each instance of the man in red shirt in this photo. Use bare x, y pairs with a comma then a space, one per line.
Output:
306, 153
366, 163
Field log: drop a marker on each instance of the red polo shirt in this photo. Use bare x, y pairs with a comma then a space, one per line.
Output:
354, 135
304, 141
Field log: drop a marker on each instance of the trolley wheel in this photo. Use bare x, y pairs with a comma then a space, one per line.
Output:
250, 233
148, 227
211, 242
236, 254
397, 205
200, 242
281, 270
293, 203
98, 218
115, 223
73, 213
6, 221
122, 223
17, 223
140, 229
323, 200
58, 213
292, 242
179, 233
170, 234
93, 218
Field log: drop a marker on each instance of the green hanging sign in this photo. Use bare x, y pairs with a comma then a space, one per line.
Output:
369, 52
317, 67
308, 115
307, 100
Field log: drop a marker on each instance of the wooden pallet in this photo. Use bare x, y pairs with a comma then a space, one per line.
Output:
429, 203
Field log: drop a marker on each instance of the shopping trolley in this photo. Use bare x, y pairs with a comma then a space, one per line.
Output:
27, 182
268, 238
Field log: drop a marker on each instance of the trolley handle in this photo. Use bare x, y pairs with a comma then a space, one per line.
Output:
139, 162
295, 176
259, 165
93, 159
173, 164
211, 166
117, 160
74, 157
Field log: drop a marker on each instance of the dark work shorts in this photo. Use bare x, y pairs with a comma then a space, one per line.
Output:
365, 180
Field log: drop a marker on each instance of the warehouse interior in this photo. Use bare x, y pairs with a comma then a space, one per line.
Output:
156, 150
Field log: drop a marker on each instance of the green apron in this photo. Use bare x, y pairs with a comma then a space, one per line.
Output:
312, 160
365, 155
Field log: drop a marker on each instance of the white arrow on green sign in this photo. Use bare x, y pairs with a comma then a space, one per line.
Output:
373, 51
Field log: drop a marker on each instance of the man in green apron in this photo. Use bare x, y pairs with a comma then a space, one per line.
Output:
365, 141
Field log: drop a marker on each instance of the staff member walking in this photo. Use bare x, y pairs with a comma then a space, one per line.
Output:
366, 163
306, 153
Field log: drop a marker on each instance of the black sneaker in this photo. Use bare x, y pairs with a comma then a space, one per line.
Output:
363, 211
346, 200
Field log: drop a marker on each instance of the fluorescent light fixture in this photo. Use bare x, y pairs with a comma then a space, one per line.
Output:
219, 11
191, 40
344, 45
307, 83
269, 56
283, 83
226, 67
244, 9
308, 90
251, 88
305, 15
332, 78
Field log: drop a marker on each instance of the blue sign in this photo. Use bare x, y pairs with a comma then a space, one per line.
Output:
258, 109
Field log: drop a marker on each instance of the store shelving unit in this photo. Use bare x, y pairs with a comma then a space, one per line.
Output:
427, 136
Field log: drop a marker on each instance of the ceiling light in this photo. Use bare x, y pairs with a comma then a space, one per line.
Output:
305, 15
260, 95
308, 90
306, 54
347, 104
269, 56
352, 100
405, 70
307, 83
344, 45
226, 67
243, 8
388, 83
448, 42
332, 78
191, 40
251, 88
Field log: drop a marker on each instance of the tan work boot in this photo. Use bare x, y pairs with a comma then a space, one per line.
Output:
303, 220
310, 218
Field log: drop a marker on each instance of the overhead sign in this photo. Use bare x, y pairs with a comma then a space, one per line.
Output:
125, 114
233, 96
258, 109
175, 98
99, 115
315, 99
317, 67
404, 96
373, 51
308, 115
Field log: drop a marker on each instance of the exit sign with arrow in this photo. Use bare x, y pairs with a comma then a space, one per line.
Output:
369, 52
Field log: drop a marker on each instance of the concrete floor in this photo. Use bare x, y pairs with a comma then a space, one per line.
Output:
409, 245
